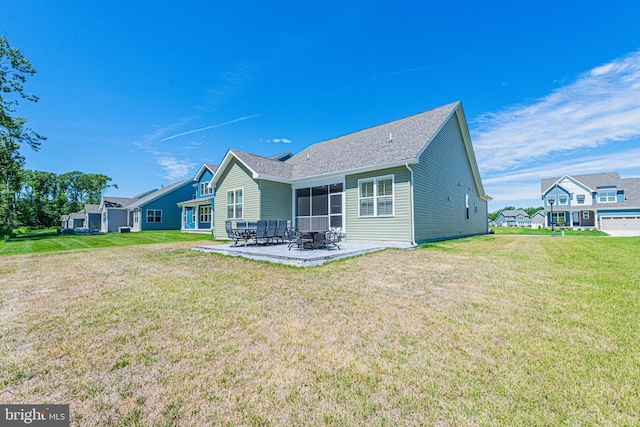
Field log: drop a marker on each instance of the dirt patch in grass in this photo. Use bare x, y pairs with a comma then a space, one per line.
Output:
492, 330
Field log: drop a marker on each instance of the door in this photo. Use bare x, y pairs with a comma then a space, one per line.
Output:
188, 218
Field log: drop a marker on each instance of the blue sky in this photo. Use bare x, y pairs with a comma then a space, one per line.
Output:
145, 92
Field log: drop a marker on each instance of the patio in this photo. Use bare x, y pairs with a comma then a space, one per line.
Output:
302, 257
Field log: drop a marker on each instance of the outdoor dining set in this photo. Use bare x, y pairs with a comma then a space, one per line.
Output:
269, 232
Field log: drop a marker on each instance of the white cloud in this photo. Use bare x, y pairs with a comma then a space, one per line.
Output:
175, 169
601, 107
589, 126
279, 140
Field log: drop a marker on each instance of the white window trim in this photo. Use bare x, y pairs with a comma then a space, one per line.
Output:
585, 215
375, 196
235, 190
154, 216
207, 215
550, 198
566, 200
205, 189
615, 196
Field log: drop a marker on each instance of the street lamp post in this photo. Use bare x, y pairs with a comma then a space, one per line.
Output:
553, 233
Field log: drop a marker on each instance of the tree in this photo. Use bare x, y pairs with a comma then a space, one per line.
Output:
14, 69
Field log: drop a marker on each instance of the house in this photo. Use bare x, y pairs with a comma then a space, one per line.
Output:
601, 200
114, 213
537, 219
197, 212
76, 220
513, 218
411, 180
159, 210
91, 213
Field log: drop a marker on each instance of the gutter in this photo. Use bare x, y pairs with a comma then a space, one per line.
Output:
413, 227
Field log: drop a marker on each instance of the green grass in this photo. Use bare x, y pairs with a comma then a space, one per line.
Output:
496, 330
528, 231
48, 241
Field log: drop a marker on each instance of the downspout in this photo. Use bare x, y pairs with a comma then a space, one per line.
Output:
413, 231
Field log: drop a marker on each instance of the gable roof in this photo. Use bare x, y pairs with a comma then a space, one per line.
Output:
513, 213
591, 181
91, 208
390, 144
116, 202
158, 193
76, 215
205, 166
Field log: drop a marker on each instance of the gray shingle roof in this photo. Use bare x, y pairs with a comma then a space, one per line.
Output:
372, 146
117, 202
158, 193
514, 213
393, 142
91, 208
76, 215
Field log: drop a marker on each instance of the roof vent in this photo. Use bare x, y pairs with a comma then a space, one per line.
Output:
390, 137
307, 156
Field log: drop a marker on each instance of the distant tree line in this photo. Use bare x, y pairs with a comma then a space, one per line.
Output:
32, 198
529, 211
44, 196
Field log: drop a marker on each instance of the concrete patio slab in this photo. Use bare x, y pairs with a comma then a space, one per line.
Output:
302, 257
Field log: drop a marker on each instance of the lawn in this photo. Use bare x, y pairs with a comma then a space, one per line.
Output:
492, 330
48, 241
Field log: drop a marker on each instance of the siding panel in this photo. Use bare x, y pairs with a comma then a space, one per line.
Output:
236, 176
396, 228
442, 179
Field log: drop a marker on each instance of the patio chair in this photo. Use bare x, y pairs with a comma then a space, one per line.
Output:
333, 236
301, 240
234, 234
261, 230
281, 231
270, 235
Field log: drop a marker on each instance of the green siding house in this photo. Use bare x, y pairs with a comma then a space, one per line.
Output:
411, 180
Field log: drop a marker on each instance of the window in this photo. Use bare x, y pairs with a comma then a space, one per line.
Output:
375, 196
475, 204
205, 213
551, 199
580, 198
205, 190
234, 204
154, 215
563, 200
585, 215
558, 217
466, 202
607, 196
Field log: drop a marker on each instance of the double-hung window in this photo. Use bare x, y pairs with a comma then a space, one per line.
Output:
154, 215
234, 204
205, 190
375, 196
607, 196
205, 213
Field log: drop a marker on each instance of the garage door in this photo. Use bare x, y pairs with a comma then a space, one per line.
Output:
620, 222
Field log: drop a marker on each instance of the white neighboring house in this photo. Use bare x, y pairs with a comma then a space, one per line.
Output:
537, 219
513, 218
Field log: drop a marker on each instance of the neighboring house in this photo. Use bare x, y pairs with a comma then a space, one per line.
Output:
114, 212
91, 214
198, 211
411, 180
513, 218
602, 200
76, 220
159, 210
65, 221
537, 219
